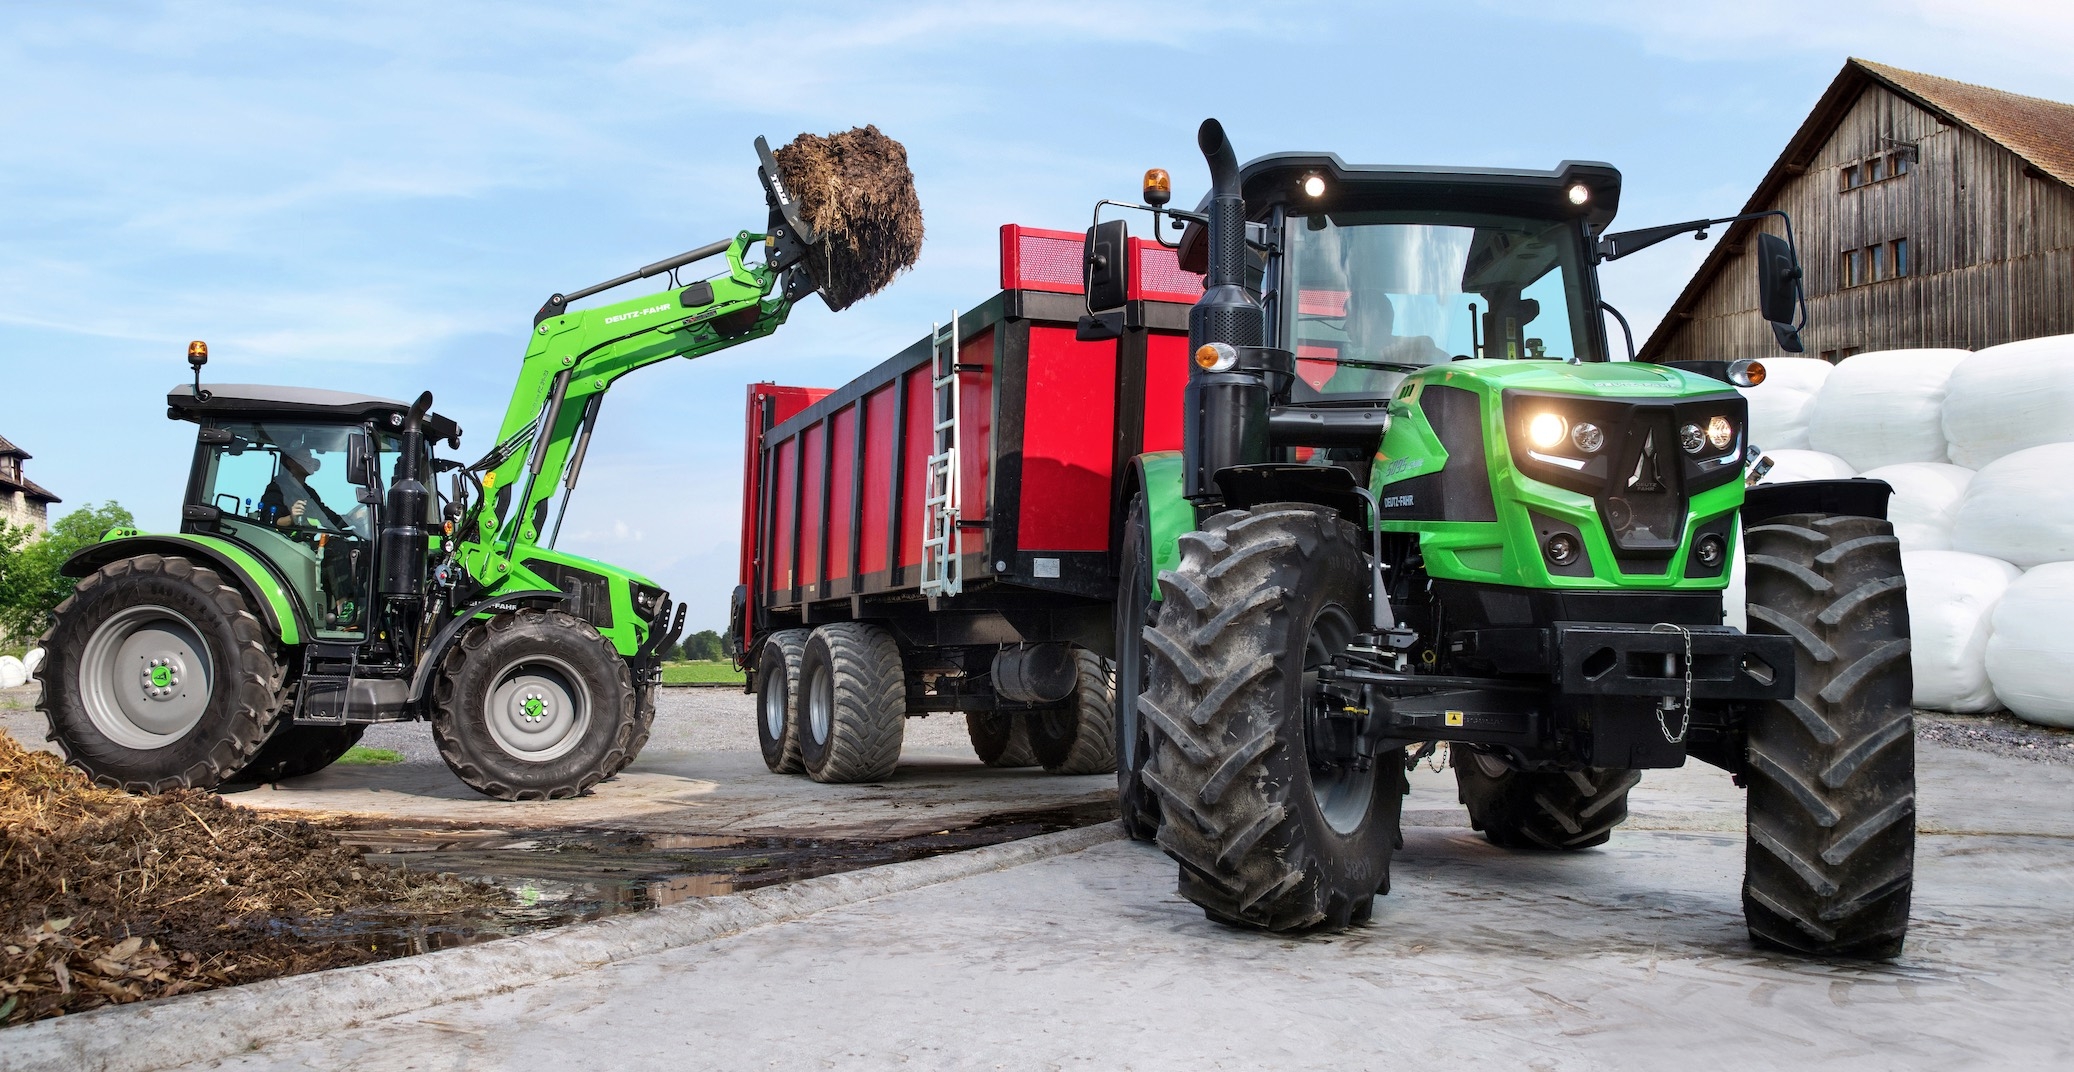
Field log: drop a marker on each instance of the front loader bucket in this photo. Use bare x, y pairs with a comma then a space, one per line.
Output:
843, 213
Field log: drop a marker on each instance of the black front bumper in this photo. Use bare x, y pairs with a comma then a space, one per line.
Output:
1621, 659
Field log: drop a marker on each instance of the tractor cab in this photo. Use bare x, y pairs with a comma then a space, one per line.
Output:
295, 476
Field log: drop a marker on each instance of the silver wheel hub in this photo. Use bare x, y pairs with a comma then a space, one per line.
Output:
145, 677
539, 710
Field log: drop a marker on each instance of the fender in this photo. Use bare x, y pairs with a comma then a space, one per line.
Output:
1857, 498
451, 631
1168, 513
278, 608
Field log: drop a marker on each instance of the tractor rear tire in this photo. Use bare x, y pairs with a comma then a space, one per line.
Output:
1137, 806
1518, 809
1830, 862
158, 676
777, 699
1264, 839
533, 705
854, 704
1079, 738
296, 751
1000, 738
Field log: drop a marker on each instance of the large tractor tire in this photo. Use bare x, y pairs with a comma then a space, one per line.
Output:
1137, 806
158, 676
854, 706
1519, 809
533, 705
1268, 835
1079, 738
644, 725
777, 699
1830, 862
1000, 738
295, 751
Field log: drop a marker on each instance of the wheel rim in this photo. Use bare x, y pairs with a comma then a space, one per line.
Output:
146, 677
1131, 656
1342, 792
539, 710
774, 704
820, 704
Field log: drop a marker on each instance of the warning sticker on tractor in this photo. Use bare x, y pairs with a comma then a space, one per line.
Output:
1454, 718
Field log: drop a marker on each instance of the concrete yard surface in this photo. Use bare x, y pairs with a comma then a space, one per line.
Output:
1631, 956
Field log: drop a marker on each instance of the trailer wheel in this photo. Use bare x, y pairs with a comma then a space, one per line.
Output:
1000, 738
533, 705
853, 704
1269, 832
777, 699
295, 751
1136, 805
1830, 861
1081, 738
158, 676
1520, 809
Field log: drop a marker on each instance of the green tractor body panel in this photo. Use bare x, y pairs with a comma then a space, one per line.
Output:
282, 608
601, 594
1168, 513
1484, 511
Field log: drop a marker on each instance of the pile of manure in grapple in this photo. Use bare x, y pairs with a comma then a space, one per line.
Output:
855, 191
107, 898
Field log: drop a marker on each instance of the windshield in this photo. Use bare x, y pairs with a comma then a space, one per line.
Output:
1371, 295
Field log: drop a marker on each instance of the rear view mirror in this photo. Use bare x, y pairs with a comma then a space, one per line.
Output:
1778, 279
1107, 266
360, 460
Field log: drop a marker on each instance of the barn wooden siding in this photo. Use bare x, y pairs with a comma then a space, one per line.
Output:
1991, 247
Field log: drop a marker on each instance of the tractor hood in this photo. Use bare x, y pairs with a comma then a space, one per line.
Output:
1603, 379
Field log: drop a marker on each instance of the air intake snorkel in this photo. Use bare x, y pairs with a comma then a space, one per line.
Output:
1224, 406
403, 515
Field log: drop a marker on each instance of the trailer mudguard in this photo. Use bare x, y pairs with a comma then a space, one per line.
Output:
1168, 513
284, 617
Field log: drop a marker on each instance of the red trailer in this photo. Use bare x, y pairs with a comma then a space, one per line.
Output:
937, 534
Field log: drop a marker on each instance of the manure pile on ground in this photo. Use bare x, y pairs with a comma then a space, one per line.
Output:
108, 898
855, 191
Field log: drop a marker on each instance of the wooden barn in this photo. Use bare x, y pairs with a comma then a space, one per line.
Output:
1928, 212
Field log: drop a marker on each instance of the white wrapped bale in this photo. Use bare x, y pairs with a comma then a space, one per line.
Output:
1789, 466
1926, 501
2011, 397
1781, 405
12, 673
2031, 649
2021, 509
32, 660
1884, 408
1951, 602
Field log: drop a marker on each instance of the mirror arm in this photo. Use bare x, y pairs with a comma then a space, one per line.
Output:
1624, 328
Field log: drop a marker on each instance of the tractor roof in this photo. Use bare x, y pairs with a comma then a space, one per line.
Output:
1278, 177
310, 403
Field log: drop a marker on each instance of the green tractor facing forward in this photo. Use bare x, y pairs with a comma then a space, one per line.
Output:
320, 583
1418, 503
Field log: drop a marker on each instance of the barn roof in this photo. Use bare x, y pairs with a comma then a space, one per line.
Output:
2038, 131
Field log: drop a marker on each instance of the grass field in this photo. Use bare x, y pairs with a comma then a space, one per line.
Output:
361, 756
717, 671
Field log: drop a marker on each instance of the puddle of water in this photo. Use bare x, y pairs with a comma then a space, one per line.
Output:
565, 876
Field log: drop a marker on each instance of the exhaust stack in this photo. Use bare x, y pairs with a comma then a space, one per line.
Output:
1224, 414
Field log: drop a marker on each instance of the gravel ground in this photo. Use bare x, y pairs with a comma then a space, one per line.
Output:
2001, 733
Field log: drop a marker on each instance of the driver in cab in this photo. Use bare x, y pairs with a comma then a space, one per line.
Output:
287, 499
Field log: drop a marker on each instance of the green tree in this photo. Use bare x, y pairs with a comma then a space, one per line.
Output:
30, 584
702, 645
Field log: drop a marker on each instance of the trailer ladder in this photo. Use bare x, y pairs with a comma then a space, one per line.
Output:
942, 570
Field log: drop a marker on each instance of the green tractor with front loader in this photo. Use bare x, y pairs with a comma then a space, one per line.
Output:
1420, 504
320, 582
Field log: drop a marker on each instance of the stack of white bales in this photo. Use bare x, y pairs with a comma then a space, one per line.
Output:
1979, 448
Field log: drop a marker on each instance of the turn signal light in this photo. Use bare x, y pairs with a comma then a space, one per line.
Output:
1216, 356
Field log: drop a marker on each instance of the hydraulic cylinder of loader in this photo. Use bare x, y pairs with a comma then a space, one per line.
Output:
1224, 414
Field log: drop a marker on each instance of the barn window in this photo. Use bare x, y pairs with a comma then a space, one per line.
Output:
1875, 169
1900, 257
1878, 256
1851, 180
1852, 270
1901, 164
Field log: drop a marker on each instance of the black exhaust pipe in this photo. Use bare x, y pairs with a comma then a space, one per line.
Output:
403, 515
1224, 414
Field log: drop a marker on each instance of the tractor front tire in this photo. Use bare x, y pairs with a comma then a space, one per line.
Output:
533, 705
1000, 738
1265, 838
295, 751
1519, 809
1830, 861
1079, 738
777, 699
644, 725
158, 676
1137, 807
854, 707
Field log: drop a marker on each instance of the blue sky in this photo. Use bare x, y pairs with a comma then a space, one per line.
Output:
377, 196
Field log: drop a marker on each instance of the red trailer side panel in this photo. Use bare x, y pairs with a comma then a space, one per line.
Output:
784, 514
1166, 373
879, 469
975, 432
914, 463
812, 519
841, 526
1069, 420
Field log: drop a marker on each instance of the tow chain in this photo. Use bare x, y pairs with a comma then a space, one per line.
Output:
1684, 708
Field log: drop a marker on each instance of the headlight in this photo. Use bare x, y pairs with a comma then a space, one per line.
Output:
1720, 433
1546, 430
1587, 437
1692, 439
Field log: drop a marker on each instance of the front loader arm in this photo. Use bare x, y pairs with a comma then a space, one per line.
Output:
573, 358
